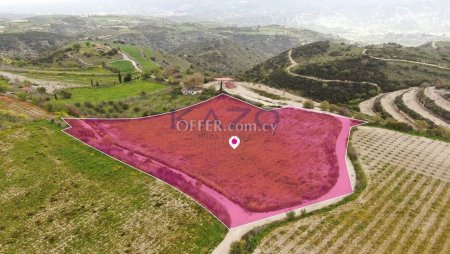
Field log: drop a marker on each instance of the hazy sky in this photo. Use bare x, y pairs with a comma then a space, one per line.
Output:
352, 18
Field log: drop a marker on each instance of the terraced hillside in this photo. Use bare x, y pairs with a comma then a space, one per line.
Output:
404, 209
414, 106
321, 62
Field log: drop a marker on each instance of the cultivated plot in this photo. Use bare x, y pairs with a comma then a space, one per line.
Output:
286, 159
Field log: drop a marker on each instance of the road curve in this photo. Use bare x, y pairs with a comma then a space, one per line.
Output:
364, 52
294, 64
127, 58
433, 94
411, 101
387, 102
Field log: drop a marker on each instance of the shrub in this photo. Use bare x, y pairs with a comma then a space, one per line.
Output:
127, 78
41, 89
325, 106
308, 104
65, 94
22, 96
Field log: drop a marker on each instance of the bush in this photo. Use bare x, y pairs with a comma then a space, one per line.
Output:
65, 94
41, 89
308, 104
22, 96
127, 78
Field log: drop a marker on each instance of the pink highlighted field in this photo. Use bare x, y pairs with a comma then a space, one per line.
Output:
287, 158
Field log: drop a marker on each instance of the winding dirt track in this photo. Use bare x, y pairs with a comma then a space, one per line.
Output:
364, 52
50, 86
433, 94
127, 58
294, 64
411, 101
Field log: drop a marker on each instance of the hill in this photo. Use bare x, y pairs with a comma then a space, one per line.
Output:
318, 62
30, 44
246, 46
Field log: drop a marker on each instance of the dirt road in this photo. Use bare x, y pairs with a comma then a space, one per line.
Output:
364, 52
411, 101
433, 94
387, 102
367, 107
294, 64
50, 86
127, 58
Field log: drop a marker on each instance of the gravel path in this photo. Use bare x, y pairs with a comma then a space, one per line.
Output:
411, 101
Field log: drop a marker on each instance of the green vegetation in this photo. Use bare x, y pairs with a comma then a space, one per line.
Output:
400, 104
3, 85
124, 66
426, 53
60, 195
144, 104
140, 54
267, 94
432, 106
114, 92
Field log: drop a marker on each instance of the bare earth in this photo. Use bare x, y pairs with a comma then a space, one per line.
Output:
50, 86
243, 89
387, 102
367, 107
404, 209
433, 94
411, 101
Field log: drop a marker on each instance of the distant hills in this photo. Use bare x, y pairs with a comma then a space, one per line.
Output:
209, 47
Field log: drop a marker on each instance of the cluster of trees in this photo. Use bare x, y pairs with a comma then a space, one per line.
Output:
334, 92
311, 49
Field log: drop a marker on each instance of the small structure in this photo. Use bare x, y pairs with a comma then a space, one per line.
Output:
191, 90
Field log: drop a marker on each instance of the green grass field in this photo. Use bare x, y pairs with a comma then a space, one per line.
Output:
140, 54
60, 196
114, 92
123, 66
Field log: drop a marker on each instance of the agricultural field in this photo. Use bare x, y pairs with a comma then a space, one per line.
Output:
66, 197
142, 55
112, 92
404, 209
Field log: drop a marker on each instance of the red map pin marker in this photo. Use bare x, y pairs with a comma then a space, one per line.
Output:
234, 142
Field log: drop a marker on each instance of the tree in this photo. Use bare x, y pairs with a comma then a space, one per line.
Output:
127, 78
119, 76
92, 82
66, 94
76, 47
41, 90
195, 80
